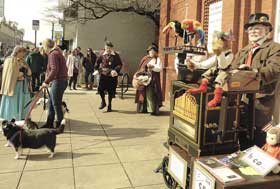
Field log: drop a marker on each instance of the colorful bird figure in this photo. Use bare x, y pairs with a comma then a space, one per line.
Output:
190, 25
192, 28
187, 29
175, 26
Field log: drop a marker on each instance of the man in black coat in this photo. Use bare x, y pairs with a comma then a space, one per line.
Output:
109, 64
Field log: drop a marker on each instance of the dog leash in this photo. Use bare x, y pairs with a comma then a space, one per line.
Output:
35, 100
36, 96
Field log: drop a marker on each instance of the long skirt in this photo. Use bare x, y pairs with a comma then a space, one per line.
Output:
13, 106
149, 105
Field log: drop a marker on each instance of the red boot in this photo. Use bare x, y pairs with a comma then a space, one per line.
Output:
217, 97
201, 89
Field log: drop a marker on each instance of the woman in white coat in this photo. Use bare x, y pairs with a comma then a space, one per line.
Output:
73, 69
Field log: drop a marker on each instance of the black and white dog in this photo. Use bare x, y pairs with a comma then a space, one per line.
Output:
63, 104
34, 139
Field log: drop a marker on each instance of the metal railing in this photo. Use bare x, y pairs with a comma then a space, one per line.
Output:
124, 83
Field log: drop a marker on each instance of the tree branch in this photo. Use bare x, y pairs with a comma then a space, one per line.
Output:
97, 9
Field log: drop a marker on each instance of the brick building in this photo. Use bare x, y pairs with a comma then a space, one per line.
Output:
221, 14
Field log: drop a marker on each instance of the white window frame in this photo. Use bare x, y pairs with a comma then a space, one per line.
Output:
277, 24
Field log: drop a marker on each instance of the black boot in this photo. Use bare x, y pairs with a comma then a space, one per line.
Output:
109, 109
70, 84
74, 85
103, 103
60, 127
48, 124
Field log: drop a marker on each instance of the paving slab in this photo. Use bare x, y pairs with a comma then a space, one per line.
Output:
9, 180
89, 142
141, 173
9, 164
40, 161
94, 156
135, 139
101, 177
160, 186
46, 179
140, 152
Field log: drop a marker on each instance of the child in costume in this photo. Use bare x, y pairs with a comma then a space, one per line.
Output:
217, 65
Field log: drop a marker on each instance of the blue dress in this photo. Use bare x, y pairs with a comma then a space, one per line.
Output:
13, 106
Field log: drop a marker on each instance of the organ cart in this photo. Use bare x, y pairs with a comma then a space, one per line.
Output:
196, 130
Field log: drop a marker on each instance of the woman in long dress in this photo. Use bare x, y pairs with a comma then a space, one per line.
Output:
15, 86
149, 97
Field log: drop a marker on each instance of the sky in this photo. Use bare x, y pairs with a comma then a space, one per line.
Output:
24, 11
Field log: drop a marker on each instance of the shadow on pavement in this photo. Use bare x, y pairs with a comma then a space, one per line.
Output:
161, 113
93, 129
58, 155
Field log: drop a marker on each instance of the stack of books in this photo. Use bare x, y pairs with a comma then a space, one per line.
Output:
222, 172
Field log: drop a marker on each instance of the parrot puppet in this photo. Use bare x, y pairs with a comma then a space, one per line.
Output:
176, 26
187, 29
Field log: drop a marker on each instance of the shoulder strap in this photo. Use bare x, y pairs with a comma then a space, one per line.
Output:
156, 60
228, 53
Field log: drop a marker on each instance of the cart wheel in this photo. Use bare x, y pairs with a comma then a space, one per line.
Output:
169, 181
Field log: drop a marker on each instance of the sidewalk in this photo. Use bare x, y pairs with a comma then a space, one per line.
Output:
98, 150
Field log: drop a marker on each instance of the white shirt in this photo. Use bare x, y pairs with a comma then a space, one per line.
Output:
156, 63
223, 61
176, 62
260, 42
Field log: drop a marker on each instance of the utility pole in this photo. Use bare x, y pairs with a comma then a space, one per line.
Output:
35, 38
14, 36
52, 30
35, 27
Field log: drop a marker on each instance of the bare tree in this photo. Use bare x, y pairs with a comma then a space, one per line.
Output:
97, 9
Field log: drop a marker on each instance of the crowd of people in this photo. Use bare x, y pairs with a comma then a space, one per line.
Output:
26, 72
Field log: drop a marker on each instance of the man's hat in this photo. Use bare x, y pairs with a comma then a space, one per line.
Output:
258, 18
219, 39
109, 44
225, 36
153, 46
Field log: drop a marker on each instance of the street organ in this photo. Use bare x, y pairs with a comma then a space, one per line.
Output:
197, 130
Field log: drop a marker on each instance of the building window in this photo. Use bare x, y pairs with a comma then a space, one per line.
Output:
212, 19
277, 23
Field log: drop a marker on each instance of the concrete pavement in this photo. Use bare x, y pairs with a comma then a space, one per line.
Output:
98, 150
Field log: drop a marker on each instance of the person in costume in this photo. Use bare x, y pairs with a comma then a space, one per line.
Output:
15, 88
149, 97
263, 56
110, 64
217, 65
